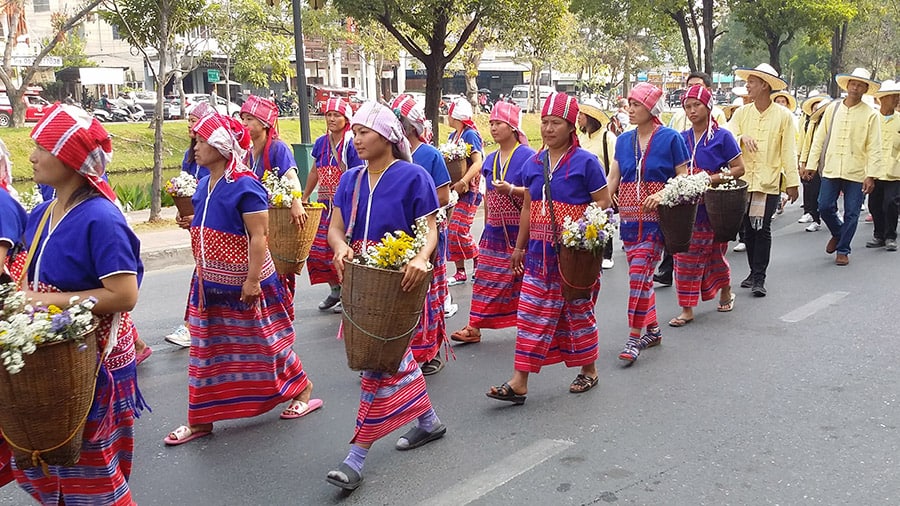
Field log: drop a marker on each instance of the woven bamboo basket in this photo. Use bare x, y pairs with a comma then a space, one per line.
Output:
184, 205
677, 225
289, 245
580, 272
457, 169
379, 318
46, 404
726, 209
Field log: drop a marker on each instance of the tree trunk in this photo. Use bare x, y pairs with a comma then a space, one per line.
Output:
836, 62
18, 105
709, 36
434, 68
774, 54
471, 61
678, 17
162, 50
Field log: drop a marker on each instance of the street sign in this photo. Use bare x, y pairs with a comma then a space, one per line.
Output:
27, 61
642, 77
212, 75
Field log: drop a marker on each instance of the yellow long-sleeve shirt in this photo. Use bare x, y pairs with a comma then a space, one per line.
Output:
807, 142
854, 149
594, 143
775, 134
890, 147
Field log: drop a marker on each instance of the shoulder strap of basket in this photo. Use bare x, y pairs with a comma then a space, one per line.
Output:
34, 244
545, 163
355, 207
605, 151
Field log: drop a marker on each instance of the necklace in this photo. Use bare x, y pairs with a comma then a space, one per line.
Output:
504, 166
379, 172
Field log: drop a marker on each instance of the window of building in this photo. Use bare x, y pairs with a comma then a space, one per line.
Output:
41, 5
115, 32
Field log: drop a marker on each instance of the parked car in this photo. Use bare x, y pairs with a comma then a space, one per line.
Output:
521, 96
674, 97
34, 112
147, 101
191, 99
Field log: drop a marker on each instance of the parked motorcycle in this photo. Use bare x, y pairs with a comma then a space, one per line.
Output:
102, 115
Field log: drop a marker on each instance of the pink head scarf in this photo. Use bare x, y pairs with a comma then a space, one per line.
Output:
648, 96
379, 118
565, 107
407, 107
511, 115
460, 109
79, 141
702, 94
230, 138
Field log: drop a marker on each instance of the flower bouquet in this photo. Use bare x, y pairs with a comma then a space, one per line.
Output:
726, 204
455, 155
678, 209
289, 245
379, 318
47, 383
182, 187
581, 254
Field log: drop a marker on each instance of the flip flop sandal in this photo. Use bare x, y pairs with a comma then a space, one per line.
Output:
505, 393
144, 355
727, 307
344, 477
433, 366
467, 334
582, 384
417, 437
184, 434
296, 408
679, 322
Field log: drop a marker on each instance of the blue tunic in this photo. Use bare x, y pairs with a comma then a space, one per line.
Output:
12, 222
281, 159
345, 151
192, 168
711, 156
430, 159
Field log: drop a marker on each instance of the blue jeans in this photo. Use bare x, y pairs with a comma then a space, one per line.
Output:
853, 200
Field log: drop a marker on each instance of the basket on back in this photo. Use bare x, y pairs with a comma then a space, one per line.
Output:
289, 245
379, 318
726, 208
45, 405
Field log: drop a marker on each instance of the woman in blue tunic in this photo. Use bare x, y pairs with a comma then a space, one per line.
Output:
461, 244
387, 194
81, 246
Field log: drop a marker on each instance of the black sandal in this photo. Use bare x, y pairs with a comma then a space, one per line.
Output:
505, 393
433, 366
582, 383
344, 477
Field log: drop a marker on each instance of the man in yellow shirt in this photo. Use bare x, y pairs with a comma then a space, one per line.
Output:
848, 142
884, 200
679, 120
768, 138
595, 136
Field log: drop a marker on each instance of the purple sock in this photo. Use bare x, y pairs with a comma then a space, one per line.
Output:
356, 458
428, 420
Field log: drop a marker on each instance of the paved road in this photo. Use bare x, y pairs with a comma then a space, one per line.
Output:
790, 399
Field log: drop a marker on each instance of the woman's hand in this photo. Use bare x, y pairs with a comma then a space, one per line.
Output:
414, 273
503, 187
298, 213
517, 262
652, 202
461, 187
250, 292
343, 253
184, 221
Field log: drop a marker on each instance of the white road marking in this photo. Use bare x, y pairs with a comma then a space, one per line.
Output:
810, 308
496, 475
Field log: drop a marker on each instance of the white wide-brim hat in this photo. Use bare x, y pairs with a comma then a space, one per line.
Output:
792, 102
808, 105
859, 74
765, 72
889, 87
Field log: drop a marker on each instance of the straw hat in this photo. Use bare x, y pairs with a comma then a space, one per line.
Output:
765, 72
859, 74
808, 105
819, 109
729, 110
592, 108
889, 87
792, 102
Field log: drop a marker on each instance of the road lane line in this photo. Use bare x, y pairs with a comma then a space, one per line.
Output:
500, 473
810, 308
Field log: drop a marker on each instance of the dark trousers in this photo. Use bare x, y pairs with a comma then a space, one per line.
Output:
666, 265
608, 248
759, 242
884, 202
811, 197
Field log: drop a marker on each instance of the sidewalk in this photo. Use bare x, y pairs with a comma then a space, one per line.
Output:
166, 247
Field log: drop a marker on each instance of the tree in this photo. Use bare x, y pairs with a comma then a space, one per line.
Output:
809, 64
874, 39
775, 23
154, 24
71, 47
422, 28
15, 15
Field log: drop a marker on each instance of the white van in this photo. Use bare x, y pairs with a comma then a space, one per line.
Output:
521, 93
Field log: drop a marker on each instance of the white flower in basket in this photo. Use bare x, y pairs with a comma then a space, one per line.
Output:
731, 184
396, 248
31, 198
454, 198
455, 151
591, 231
282, 191
23, 326
182, 185
683, 190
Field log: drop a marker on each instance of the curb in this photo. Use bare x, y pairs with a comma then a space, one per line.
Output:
157, 259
